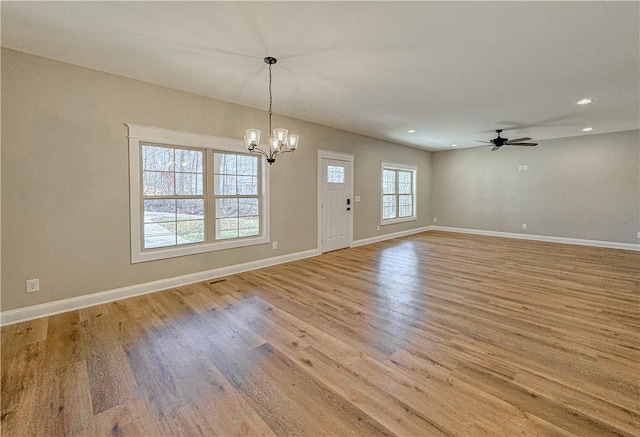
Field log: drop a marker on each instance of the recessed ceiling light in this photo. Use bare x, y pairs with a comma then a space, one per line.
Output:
411, 131
454, 145
585, 101
587, 129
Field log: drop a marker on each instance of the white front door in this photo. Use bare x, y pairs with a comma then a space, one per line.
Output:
336, 204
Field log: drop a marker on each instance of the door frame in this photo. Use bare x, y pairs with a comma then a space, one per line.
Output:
349, 158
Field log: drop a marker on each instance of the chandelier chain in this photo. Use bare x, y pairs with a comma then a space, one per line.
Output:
270, 98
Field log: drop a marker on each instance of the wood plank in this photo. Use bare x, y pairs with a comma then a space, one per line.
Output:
110, 378
64, 340
22, 390
64, 401
131, 418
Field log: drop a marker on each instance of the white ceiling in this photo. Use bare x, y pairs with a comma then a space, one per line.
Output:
453, 71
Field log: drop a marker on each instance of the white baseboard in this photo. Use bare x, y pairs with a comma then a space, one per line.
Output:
383, 237
76, 303
564, 240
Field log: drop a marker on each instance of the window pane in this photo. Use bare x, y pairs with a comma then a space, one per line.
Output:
388, 207
248, 207
389, 188
190, 209
247, 185
161, 210
157, 183
388, 181
404, 177
335, 174
157, 158
188, 184
247, 165
191, 231
224, 163
226, 228
188, 161
225, 185
249, 226
405, 188
226, 208
405, 185
406, 206
159, 235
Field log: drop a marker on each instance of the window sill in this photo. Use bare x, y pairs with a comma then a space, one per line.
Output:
192, 249
398, 220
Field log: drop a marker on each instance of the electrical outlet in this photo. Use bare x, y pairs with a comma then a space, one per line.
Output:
638, 234
33, 285
520, 167
357, 198
435, 219
524, 226
525, 167
274, 245
378, 228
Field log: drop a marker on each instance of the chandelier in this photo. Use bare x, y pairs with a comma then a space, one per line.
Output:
280, 141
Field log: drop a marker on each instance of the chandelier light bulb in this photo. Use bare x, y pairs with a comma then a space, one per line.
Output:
252, 138
281, 135
293, 142
275, 144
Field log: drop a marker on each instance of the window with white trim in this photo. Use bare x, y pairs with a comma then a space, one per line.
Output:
398, 193
193, 193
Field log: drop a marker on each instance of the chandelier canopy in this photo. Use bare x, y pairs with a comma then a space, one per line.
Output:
280, 141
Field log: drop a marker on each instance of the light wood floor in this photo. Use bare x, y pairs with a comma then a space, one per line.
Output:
429, 335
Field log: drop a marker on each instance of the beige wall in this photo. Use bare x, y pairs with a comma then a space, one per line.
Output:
583, 187
65, 201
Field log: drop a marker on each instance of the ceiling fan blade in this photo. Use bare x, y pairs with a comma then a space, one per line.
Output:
522, 144
494, 148
519, 140
488, 142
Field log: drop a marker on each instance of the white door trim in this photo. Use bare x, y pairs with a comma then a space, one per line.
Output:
330, 154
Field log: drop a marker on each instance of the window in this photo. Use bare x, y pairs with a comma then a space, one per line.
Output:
398, 193
237, 202
335, 174
193, 193
173, 196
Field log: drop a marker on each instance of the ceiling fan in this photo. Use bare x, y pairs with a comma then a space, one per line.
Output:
499, 141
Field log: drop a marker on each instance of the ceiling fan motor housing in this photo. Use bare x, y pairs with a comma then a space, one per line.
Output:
499, 141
